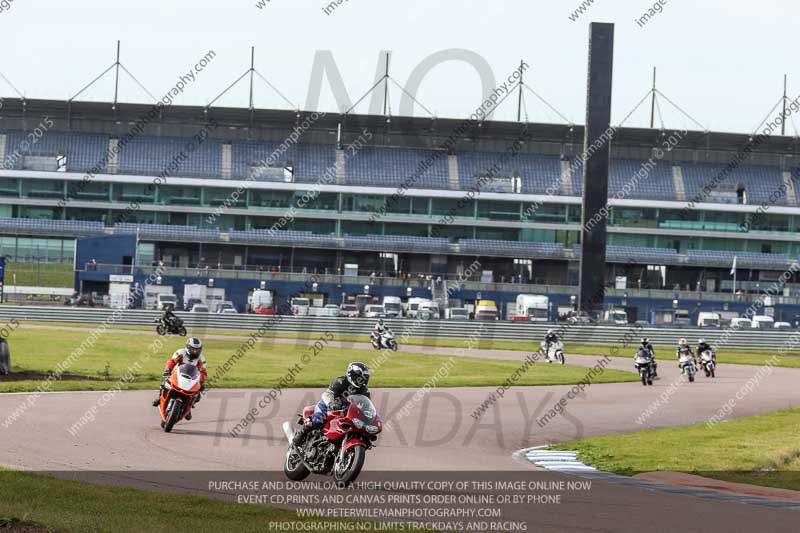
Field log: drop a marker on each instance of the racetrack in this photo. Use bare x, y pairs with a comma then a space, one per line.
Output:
438, 434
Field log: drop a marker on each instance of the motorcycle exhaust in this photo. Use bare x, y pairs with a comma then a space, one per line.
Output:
288, 431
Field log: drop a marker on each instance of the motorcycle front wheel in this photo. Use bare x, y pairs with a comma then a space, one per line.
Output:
175, 413
293, 466
346, 470
161, 330
560, 357
643, 373
394, 346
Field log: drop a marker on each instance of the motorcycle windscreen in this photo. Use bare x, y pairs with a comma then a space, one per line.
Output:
187, 376
362, 407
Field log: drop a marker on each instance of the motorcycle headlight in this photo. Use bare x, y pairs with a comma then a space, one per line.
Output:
358, 423
372, 429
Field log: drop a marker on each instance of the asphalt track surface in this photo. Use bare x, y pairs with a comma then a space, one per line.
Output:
438, 434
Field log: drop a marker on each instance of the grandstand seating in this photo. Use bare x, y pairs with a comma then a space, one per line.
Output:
37, 226
724, 258
759, 182
174, 156
309, 161
84, 151
167, 231
489, 247
640, 254
397, 243
643, 181
537, 172
390, 167
283, 238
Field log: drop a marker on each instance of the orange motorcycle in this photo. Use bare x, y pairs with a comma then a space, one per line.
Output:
178, 395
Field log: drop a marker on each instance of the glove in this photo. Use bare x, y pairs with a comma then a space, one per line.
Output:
167, 372
203, 386
316, 419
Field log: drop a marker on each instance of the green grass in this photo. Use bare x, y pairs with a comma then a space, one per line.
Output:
73, 506
760, 450
731, 356
37, 350
41, 274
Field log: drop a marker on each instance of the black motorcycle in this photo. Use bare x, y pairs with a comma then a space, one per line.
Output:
173, 327
646, 366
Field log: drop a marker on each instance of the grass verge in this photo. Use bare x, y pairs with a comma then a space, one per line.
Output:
263, 366
731, 356
759, 450
44, 503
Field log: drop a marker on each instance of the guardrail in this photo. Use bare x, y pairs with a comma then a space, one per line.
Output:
435, 329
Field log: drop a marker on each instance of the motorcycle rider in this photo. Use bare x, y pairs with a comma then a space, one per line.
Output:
170, 319
191, 355
379, 329
684, 349
550, 338
647, 346
702, 346
335, 398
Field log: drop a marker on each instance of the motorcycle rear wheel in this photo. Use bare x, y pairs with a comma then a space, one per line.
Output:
175, 413
182, 331
293, 466
353, 462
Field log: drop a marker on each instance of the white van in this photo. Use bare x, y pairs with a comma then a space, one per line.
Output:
393, 306
165, 300
300, 306
708, 320
456, 313
374, 311
741, 323
763, 322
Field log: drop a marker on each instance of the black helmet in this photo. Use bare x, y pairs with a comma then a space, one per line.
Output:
358, 375
193, 348
380, 321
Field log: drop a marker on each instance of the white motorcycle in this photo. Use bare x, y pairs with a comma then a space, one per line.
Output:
554, 353
385, 341
708, 361
686, 364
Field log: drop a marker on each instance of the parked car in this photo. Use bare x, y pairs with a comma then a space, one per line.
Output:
782, 325
191, 302
226, 307
264, 309
348, 310
374, 311
199, 308
741, 323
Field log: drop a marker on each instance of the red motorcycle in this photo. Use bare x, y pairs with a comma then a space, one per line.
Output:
340, 447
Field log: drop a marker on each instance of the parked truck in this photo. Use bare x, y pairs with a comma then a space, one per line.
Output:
486, 310
393, 306
532, 308
153, 296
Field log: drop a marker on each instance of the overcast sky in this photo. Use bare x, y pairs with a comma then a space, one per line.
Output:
722, 61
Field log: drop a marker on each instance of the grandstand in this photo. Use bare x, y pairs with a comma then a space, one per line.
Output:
405, 193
